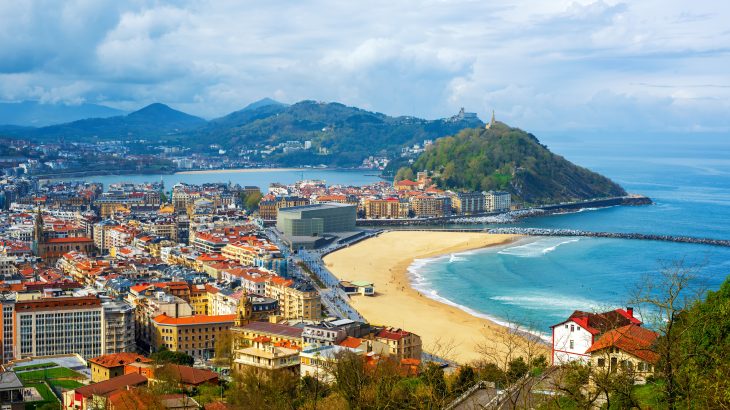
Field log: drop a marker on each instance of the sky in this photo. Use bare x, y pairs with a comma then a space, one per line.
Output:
658, 65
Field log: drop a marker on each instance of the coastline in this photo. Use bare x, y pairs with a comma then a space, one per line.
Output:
398, 304
240, 170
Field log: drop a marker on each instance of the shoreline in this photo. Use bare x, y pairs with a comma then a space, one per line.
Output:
446, 329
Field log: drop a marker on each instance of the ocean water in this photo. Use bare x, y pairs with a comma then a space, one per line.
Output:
537, 282
261, 178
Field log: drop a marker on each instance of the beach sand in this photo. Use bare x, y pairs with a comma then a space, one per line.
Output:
242, 170
384, 260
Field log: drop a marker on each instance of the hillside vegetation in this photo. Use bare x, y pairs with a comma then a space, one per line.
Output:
506, 158
348, 134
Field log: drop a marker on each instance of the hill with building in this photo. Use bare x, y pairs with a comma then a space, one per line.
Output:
500, 157
311, 132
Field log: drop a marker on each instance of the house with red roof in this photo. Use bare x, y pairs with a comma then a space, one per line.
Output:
572, 337
629, 348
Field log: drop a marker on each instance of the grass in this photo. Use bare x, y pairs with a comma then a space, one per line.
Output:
44, 391
65, 384
35, 366
650, 395
53, 373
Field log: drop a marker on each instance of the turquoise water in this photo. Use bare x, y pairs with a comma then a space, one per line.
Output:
538, 282
261, 178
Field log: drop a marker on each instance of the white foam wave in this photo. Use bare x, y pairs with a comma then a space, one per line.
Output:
537, 248
540, 301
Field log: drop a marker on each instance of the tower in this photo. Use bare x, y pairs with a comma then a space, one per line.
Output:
492, 121
38, 234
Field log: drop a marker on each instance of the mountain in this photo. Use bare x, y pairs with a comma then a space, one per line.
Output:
153, 121
347, 134
263, 103
36, 114
505, 158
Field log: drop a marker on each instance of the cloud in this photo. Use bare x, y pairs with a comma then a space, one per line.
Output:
562, 65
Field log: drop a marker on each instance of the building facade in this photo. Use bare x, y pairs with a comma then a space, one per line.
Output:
55, 326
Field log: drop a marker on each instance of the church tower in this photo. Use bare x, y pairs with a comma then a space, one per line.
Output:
39, 237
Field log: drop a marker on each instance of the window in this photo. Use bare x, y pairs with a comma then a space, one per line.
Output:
572, 328
601, 362
572, 344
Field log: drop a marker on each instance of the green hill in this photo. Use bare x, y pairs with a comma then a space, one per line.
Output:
348, 134
505, 158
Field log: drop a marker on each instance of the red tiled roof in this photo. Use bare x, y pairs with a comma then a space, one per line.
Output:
72, 239
351, 342
632, 339
163, 319
109, 386
119, 359
190, 375
393, 334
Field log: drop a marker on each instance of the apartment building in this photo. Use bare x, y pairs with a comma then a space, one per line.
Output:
400, 343
426, 206
389, 208
497, 201
266, 358
119, 334
7, 302
63, 325
296, 300
468, 203
195, 335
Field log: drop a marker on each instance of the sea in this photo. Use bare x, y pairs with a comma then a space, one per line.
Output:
537, 282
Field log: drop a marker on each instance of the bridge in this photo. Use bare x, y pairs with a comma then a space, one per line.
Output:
614, 235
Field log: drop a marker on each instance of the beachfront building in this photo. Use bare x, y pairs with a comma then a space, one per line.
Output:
388, 208
297, 300
358, 287
56, 326
497, 201
317, 219
574, 336
468, 203
400, 344
629, 348
428, 206
195, 335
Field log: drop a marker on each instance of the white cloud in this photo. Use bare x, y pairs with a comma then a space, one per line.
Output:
576, 65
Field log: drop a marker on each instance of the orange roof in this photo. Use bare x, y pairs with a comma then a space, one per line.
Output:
351, 342
119, 359
163, 319
72, 239
632, 339
407, 182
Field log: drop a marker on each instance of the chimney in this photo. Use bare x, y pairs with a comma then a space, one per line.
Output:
630, 311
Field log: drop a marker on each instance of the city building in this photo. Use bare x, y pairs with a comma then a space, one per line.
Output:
244, 334
400, 343
112, 365
428, 206
308, 226
194, 335
319, 361
469, 203
94, 396
266, 358
63, 325
297, 300
497, 201
119, 322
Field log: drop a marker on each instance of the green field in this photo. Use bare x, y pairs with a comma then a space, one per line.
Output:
35, 366
52, 373
45, 392
65, 384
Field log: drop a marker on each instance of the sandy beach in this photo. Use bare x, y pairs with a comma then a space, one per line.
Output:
384, 260
242, 170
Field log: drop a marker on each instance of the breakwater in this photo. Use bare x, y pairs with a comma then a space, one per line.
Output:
615, 235
508, 217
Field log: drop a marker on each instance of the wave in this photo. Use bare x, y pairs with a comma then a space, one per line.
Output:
535, 249
549, 302
422, 284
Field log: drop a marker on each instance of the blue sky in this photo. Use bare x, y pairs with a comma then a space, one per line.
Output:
658, 65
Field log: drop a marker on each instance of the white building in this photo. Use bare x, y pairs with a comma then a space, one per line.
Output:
574, 336
497, 201
119, 335
54, 326
317, 362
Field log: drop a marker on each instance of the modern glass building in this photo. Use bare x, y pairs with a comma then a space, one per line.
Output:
317, 219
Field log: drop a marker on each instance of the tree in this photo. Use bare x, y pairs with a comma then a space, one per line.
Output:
661, 300
165, 356
404, 173
251, 201
465, 379
224, 349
